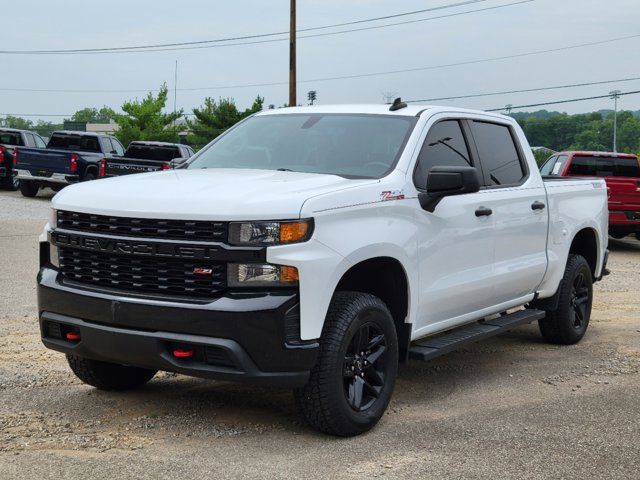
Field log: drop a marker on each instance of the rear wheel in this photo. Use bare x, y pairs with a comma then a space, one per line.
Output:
89, 177
351, 384
11, 183
108, 376
568, 323
29, 188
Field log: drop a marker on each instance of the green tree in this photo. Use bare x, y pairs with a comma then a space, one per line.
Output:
17, 122
92, 115
590, 131
213, 118
145, 120
45, 129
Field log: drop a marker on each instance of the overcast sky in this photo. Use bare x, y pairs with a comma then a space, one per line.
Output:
538, 25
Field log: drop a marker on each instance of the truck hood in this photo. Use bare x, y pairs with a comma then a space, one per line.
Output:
211, 194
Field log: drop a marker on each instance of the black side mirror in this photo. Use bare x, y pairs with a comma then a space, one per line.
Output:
447, 181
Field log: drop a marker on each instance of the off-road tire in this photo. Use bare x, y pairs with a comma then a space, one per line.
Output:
323, 400
560, 326
29, 188
108, 376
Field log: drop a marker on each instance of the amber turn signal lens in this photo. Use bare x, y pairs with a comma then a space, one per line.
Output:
293, 231
288, 274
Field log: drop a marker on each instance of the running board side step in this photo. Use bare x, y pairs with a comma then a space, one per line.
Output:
432, 347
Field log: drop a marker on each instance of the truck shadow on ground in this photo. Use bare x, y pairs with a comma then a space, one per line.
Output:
206, 407
627, 244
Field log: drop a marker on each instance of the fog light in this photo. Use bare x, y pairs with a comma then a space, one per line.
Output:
261, 275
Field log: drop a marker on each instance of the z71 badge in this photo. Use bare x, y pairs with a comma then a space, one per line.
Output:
392, 195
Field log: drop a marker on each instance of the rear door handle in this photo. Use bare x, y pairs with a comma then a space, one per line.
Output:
483, 212
537, 206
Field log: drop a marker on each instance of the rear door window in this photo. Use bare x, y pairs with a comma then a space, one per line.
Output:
117, 146
547, 167
498, 153
39, 142
107, 147
29, 139
604, 166
554, 166
445, 146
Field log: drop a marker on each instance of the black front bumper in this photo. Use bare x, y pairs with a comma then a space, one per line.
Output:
237, 337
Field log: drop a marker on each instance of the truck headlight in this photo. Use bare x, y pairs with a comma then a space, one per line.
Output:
270, 233
261, 275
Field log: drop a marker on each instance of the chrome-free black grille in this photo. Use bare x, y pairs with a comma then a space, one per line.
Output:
144, 227
146, 275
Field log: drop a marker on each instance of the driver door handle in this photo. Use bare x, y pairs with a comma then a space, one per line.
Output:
537, 205
484, 212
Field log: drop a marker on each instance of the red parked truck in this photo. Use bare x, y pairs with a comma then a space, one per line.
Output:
620, 171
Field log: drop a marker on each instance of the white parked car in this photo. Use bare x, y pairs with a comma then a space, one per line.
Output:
319, 248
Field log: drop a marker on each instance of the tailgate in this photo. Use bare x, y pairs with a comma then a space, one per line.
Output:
126, 166
44, 162
624, 193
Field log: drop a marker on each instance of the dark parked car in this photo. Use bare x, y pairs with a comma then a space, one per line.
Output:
10, 140
141, 157
70, 157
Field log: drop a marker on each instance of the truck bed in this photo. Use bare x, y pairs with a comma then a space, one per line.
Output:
44, 162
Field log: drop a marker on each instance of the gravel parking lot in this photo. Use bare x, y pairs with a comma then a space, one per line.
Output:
510, 407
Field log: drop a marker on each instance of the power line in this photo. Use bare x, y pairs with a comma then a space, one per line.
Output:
219, 43
512, 107
558, 102
526, 90
347, 77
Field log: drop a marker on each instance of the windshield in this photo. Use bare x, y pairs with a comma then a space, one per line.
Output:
604, 166
352, 146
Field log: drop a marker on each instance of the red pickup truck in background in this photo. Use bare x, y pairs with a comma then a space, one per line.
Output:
620, 171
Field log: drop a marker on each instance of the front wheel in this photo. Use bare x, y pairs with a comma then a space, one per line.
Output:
351, 384
568, 323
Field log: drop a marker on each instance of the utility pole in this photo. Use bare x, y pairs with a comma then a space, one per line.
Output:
615, 95
508, 108
292, 56
175, 96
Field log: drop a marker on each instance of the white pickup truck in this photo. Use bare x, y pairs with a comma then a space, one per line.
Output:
318, 248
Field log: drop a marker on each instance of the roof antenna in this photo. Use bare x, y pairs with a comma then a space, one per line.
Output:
397, 105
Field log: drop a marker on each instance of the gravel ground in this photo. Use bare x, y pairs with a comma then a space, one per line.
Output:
510, 407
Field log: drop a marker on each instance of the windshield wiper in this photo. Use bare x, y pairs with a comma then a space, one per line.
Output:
284, 170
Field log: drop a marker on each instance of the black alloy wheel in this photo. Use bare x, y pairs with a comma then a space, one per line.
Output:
579, 301
364, 367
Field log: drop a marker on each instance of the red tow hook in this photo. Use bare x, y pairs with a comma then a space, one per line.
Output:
73, 336
182, 353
